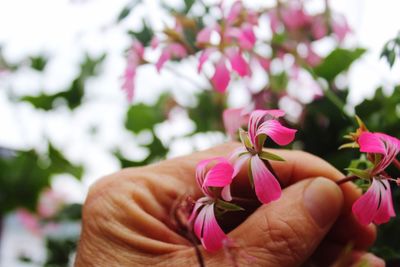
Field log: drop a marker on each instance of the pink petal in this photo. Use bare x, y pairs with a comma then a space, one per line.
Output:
138, 48
128, 85
264, 62
197, 205
280, 134
165, 56
226, 193
29, 221
213, 236
386, 210
340, 27
239, 158
234, 12
247, 37
371, 143
257, 117
319, 28
294, 17
233, 119
274, 21
204, 35
205, 54
177, 50
313, 59
237, 62
219, 175
199, 222
266, 186
375, 205
221, 76
154, 42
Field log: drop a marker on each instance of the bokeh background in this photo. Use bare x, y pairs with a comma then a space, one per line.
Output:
65, 122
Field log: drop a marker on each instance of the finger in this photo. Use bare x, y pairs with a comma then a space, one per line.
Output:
298, 166
286, 232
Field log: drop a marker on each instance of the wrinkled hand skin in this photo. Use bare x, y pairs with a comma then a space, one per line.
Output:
127, 218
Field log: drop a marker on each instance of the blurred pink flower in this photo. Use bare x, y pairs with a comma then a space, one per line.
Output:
173, 50
294, 17
236, 36
208, 179
134, 59
50, 203
29, 221
233, 119
340, 27
376, 204
262, 124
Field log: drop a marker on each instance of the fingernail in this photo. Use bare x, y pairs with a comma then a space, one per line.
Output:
323, 200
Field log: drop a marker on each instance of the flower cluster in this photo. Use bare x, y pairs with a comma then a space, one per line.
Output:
233, 45
214, 176
376, 204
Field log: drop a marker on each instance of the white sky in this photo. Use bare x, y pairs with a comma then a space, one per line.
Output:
66, 29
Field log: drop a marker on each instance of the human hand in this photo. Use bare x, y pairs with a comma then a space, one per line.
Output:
127, 222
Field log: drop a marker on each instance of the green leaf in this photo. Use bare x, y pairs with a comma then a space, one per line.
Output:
38, 62
188, 5
364, 174
337, 61
144, 36
265, 155
244, 138
73, 96
227, 206
207, 114
142, 117
127, 10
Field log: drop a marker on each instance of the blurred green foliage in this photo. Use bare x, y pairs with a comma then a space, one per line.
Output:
24, 174
73, 96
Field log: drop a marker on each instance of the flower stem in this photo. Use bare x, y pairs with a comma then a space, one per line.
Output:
347, 179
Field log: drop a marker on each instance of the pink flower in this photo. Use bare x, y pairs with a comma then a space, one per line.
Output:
211, 180
376, 204
319, 28
295, 18
262, 124
173, 50
340, 27
135, 57
50, 203
233, 119
236, 36
382, 149
29, 221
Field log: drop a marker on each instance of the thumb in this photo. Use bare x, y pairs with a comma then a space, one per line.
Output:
286, 232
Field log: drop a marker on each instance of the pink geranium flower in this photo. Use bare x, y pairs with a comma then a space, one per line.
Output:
376, 204
234, 119
262, 124
236, 36
134, 59
211, 181
172, 47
